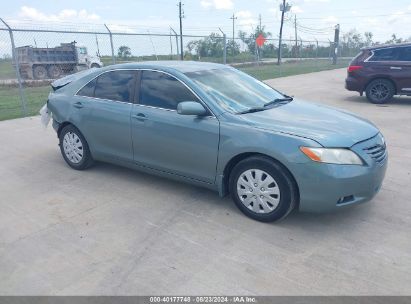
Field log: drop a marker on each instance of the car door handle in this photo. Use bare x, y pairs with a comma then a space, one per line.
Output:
140, 117
78, 105
396, 68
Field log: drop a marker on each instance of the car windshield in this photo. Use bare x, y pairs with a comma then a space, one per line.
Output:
235, 91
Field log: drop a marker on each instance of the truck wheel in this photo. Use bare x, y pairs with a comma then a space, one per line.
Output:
54, 71
95, 65
39, 72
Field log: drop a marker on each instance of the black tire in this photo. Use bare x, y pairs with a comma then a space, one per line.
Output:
95, 65
86, 159
380, 91
288, 197
39, 72
54, 71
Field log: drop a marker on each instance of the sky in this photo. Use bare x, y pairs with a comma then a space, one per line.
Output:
315, 18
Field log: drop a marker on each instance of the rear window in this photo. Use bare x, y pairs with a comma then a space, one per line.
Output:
388, 54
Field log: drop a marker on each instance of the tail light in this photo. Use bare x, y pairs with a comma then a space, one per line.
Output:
353, 68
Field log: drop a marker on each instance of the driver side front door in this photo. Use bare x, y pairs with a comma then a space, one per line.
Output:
185, 145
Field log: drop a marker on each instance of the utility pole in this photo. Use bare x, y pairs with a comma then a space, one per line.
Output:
284, 7
259, 32
181, 15
175, 34
295, 29
171, 46
225, 46
233, 18
336, 41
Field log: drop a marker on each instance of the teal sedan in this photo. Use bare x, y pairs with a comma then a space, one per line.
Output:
214, 126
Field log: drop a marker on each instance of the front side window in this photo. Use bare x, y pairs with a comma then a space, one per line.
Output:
233, 90
405, 54
115, 85
163, 91
389, 54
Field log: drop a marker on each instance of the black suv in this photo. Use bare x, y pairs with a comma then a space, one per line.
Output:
381, 72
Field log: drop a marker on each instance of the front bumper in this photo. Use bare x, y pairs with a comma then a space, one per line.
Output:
329, 187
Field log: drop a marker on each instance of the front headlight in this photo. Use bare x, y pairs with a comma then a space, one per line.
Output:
332, 156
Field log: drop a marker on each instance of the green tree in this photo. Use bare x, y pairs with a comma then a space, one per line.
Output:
124, 52
394, 39
233, 48
368, 38
211, 46
249, 40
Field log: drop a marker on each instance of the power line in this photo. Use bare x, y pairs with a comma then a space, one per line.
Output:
357, 16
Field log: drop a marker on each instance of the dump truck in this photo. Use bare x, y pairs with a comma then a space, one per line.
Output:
52, 63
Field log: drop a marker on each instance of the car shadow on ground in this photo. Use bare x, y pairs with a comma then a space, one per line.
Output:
398, 100
186, 190
208, 202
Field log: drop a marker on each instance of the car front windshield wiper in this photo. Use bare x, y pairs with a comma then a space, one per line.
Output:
265, 106
252, 110
277, 100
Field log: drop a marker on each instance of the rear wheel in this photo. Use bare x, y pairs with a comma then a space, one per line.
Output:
95, 65
263, 189
54, 71
74, 148
380, 91
39, 72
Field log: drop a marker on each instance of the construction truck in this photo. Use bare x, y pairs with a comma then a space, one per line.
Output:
52, 63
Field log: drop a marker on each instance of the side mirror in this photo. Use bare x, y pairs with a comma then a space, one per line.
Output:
191, 108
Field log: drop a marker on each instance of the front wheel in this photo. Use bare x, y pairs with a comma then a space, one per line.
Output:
263, 189
74, 148
380, 91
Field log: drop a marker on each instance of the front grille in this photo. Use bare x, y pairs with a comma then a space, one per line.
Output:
378, 152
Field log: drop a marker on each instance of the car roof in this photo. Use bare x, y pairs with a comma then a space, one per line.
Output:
166, 66
381, 46
180, 66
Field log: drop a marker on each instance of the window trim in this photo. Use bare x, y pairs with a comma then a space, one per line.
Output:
137, 86
369, 59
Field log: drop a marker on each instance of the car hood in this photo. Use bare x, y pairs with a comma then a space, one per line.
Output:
328, 126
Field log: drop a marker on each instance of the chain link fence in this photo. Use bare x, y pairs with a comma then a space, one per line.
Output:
32, 55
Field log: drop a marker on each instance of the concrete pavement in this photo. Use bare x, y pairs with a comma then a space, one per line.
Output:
114, 231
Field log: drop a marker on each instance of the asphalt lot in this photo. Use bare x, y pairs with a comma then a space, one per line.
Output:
114, 231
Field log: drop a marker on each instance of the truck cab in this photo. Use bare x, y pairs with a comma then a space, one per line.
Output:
87, 60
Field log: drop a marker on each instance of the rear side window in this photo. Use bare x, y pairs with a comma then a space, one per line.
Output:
405, 54
116, 85
88, 89
361, 57
389, 54
163, 91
